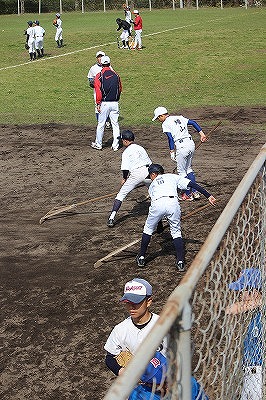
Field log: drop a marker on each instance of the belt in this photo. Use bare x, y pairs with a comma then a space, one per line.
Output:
171, 197
181, 140
146, 165
253, 369
39, 36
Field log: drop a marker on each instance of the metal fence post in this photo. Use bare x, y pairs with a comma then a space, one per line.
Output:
180, 357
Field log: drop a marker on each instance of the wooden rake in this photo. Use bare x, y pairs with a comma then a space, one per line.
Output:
58, 210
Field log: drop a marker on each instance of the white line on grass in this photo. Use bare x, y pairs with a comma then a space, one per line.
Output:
94, 47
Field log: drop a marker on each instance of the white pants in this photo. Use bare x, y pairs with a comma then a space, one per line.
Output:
160, 208
252, 384
31, 44
39, 43
58, 34
138, 41
108, 109
184, 155
124, 36
136, 177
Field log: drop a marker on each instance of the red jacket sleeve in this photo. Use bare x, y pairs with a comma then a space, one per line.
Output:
97, 87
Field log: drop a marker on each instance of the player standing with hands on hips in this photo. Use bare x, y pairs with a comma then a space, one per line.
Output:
59, 30
165, 204
108, 88
181, 144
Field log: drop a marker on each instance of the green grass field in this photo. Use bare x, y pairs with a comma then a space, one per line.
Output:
191, 58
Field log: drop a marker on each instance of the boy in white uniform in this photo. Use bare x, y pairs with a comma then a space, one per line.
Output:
30, 40
59, 31
134, 166
39, 34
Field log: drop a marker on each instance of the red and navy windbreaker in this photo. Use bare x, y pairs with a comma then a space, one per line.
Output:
107, 85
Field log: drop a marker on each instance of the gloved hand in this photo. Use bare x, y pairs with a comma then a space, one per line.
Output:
172, 155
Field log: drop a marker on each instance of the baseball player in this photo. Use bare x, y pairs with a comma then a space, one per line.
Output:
249, 285
128, 335
165, 204
30, 40
181, 144
94, 70
134, 166
59, 31
108, 88
138, 31
127, 13
126, 32
39, 34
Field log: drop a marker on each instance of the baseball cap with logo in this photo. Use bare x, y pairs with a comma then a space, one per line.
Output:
136, 291
136, 12
57, 15
249, 278
159, 111
100, 53
105, 60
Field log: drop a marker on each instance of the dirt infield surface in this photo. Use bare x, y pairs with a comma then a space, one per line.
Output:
56, 308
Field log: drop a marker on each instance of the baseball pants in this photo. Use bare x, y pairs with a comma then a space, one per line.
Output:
252, 384
108, 109
31, 44
138, 40
58, 34
124, 36
184, 155
136, 177
160, 208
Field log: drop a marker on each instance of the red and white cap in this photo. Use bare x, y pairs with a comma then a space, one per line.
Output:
136, 291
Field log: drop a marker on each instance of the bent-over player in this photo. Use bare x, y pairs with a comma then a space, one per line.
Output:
108, 88
134, 166
126, 32
165, 204
181, 144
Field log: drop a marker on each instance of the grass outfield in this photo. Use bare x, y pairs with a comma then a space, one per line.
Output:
191, 58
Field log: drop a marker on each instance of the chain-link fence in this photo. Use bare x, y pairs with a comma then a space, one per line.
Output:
216, 332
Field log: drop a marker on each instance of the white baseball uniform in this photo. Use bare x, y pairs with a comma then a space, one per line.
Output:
164, 203
127, 336
31, 39
94, 70
135, 159
177, 125
39, 33
59, 30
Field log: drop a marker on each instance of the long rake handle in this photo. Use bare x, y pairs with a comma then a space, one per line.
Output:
57, 210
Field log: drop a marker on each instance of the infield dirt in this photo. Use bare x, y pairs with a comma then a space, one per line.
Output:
57, 309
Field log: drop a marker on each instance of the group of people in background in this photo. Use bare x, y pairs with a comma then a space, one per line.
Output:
35, 37
127, 29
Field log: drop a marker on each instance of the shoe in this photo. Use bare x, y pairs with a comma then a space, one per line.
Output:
139, 48
96, 146
140, 261
186, 197
108, 125
196, 195
115, 148
110, 222
180, 265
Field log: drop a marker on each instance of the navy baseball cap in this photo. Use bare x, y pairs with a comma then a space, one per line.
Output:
128, 135
136, 291
249, 278
156, 168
